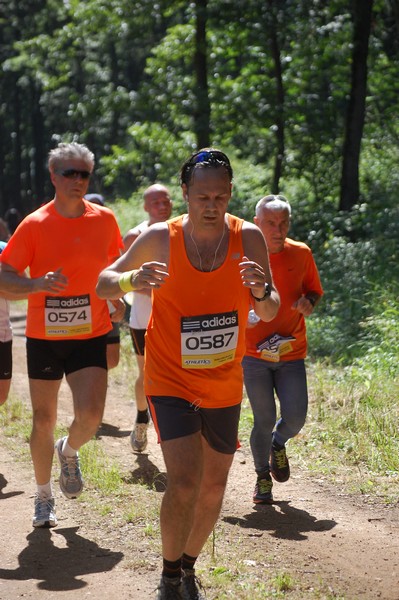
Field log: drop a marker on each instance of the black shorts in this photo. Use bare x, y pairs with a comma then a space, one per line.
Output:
138, 339
113, 336
51, 359
6, 360
174, 418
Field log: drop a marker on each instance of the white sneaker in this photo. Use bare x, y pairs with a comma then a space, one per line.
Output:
44, 515
71, 480
138, 437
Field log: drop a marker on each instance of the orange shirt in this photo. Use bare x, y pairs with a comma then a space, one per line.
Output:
294, 274
46, 241
195, 338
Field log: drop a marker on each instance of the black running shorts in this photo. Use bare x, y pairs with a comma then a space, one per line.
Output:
138, 339
6, 360
174, 417
51, 359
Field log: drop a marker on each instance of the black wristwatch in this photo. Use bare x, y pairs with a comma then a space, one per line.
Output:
311, 300
267, 294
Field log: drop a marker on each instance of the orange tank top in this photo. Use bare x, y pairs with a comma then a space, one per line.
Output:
195, 338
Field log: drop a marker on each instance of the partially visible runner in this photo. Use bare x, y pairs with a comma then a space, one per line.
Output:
205, 269
116, 313
158, 204
274, 360
5, 342
65, 243
6, 361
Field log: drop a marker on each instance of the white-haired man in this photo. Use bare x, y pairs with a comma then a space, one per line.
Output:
65, 243
275, 351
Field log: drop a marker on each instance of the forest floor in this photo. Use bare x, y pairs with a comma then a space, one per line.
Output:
336, 544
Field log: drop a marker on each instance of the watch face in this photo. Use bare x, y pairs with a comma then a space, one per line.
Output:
268, 291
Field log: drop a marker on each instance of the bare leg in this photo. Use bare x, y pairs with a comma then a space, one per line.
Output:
113, 353
4, 389
197, 477
141, 400
89, 388
44, 408
216, 467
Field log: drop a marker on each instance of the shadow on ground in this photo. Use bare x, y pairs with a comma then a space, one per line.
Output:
147, 473
282, 521
107, 430
3, 484
60, 568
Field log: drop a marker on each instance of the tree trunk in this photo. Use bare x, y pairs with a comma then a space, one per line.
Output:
279, 118
362, 12
202, 112
39, 157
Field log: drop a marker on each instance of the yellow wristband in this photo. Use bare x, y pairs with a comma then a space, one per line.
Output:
125, 281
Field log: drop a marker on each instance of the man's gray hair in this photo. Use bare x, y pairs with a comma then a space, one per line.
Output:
273, 202
71, 151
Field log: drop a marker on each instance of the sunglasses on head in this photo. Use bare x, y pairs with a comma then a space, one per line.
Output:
209, 156
74, 174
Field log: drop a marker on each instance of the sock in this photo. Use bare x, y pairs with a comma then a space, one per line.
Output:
44, 491
142, 416
188, 562
67, 450
171, 569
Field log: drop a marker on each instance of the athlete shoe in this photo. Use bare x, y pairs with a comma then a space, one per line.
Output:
71, 481
169, 589
44, 515
263, 490
279, 465
138, 437
191, 586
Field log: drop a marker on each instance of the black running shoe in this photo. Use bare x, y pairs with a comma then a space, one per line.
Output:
279, 465
263, 490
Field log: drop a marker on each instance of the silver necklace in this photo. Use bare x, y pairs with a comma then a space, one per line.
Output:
198, 252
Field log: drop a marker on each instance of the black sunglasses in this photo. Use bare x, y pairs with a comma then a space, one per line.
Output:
209, 156
74, 174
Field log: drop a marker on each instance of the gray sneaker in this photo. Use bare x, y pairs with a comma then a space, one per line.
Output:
44, 515
71, 481
191, 586
169, 589
138, 437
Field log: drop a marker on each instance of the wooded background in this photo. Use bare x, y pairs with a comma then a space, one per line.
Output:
302, 94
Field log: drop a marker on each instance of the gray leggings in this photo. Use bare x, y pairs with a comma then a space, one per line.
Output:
262, 379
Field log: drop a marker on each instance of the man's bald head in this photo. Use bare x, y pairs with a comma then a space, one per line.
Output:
157, 203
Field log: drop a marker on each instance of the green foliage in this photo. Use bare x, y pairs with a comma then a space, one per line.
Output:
120, 76
15, 419
355, 412
154, 155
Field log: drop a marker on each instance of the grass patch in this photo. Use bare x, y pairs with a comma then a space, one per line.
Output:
100, 472
15, 425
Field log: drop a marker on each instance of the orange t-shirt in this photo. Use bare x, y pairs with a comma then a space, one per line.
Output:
46, 241
195, 338
294, 274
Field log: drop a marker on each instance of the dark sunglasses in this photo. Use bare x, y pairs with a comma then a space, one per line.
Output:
209, 156
74, 174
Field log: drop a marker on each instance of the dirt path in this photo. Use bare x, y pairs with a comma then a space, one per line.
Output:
314, 531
